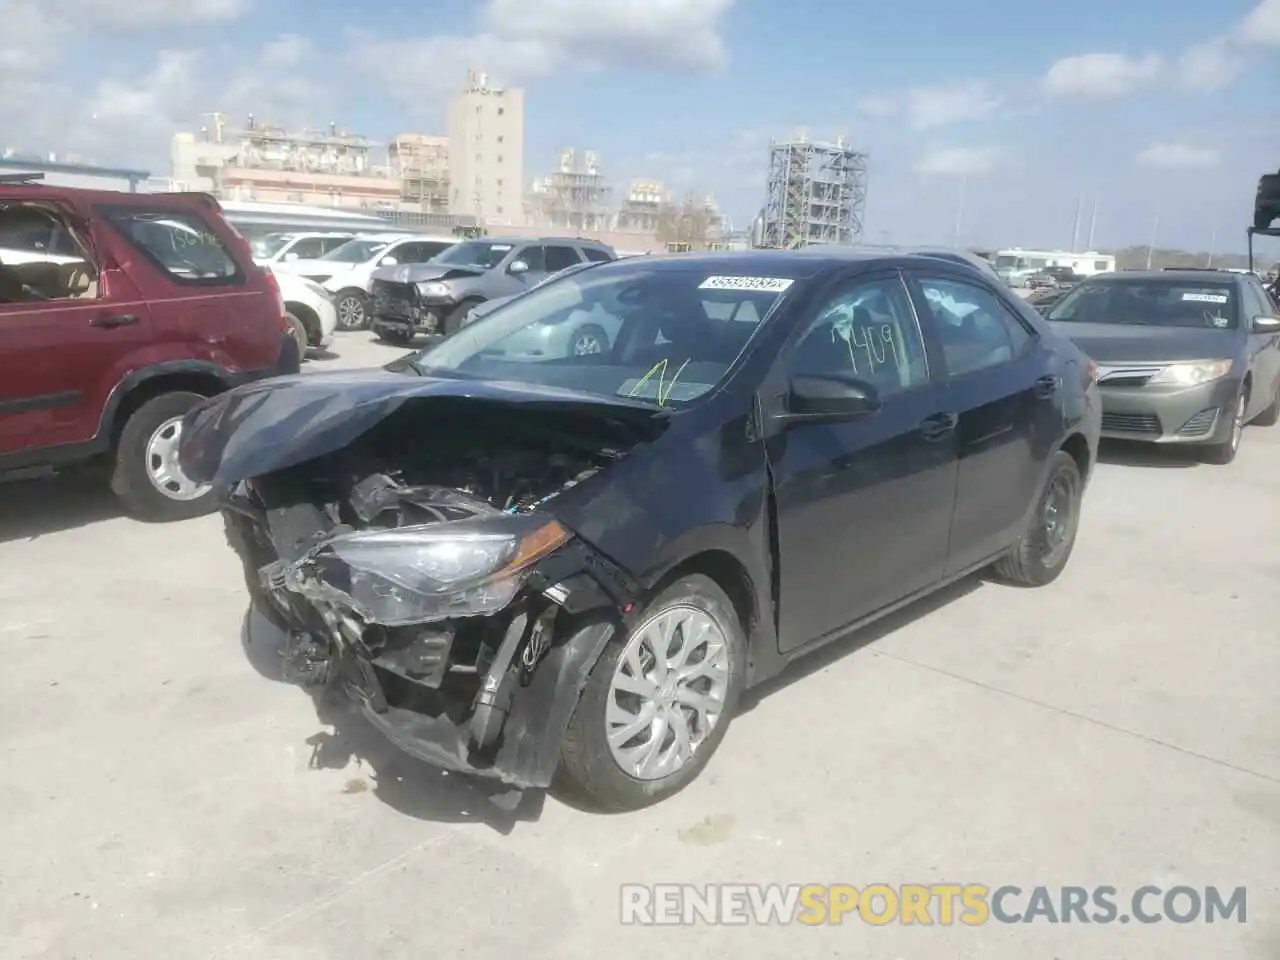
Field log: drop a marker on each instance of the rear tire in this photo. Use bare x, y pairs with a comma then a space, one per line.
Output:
153, 427
588, 765
1041, 553
298, 330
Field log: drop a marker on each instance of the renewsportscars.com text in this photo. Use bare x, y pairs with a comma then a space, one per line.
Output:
942, 904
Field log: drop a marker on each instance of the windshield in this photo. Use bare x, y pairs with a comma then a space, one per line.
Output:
665, 336
1161, 303
475, 253
355, 251
268, 246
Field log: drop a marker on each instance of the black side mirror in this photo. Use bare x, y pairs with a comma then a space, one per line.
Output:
1265, 324
815, 397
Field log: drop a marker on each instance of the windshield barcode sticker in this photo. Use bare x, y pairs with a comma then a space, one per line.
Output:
1206, 297
765, 284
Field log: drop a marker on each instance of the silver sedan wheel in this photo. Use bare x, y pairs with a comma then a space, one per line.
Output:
162, 464
668, 692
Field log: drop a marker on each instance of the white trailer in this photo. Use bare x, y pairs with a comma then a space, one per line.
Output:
1016, 264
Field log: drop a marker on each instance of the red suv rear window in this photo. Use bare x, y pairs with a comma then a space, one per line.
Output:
179, 242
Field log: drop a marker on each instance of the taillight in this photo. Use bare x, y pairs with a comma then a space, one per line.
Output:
275, 289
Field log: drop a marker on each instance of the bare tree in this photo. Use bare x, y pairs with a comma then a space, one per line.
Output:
687, 225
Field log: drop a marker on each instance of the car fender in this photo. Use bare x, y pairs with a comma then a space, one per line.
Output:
143, 372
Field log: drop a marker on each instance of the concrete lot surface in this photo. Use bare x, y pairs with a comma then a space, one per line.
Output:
160, 799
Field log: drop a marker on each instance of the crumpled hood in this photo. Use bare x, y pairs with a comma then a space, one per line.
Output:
1125, 343
273, 424
419, 272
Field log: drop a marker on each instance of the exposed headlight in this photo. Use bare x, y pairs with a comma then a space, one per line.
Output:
431, 572
433, 288
1192, 372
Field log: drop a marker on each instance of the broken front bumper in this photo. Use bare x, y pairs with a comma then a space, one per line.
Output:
489, 695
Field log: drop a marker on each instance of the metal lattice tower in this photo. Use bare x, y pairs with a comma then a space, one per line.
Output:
817, 193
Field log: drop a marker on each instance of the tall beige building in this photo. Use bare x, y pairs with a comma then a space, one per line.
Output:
486, 153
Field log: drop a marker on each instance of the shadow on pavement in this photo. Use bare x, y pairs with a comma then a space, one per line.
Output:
322, 354
1123, 453
402, 782
33, 508
825, 656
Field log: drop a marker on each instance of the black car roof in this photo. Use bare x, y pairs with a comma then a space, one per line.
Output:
787, 264
1191, 275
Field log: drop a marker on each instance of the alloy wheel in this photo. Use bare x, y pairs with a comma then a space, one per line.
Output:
351, 313
587, 344
1056, 516
1237, 425
667, 693
163, 469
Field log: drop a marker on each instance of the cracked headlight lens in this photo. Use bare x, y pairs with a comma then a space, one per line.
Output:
1192, 372
436, 571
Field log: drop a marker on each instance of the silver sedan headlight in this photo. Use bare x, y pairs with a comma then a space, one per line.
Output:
433, 288
1190, 373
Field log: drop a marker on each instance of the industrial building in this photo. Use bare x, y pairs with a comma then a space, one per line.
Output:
421, 162
816, 193
486, 152
574, 198
260, 161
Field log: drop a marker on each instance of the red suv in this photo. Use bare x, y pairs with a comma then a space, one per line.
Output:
119, 312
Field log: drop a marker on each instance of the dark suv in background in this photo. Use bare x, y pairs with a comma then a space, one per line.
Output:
435, 297
119, 312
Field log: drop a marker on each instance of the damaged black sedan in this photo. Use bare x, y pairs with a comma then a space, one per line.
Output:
529, 562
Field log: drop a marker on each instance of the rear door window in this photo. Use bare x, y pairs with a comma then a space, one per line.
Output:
309, 248
179, 242
595, 254
558, 258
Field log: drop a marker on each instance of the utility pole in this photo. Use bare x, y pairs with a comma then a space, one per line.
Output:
1213, 247
1155, 226
964, 183
1075, 226
1093, 221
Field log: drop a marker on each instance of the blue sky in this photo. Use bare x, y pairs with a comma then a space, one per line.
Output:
1166, 113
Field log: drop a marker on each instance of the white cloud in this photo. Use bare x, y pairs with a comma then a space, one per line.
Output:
929, 107
879, 108
1178, 156
1100, 75
1210, 65
1262, 25
959, 161
684, 34
521, 41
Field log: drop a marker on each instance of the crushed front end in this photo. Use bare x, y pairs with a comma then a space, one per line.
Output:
437, 589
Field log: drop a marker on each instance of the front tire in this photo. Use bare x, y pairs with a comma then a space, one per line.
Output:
146, 476
650, 718
1221, 454
456, 317
588, 340
1271, 415
353, 309
1044, 548
395, 336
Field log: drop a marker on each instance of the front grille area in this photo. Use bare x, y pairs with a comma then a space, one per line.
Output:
394, 299
1143, 423
1201, 424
